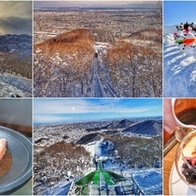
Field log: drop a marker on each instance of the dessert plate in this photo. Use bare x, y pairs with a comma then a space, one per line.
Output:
178, 186
21, 169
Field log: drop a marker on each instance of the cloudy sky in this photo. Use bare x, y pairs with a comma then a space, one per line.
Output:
15, 17
91, 3
70, 110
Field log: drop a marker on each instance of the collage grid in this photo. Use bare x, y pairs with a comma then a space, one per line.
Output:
97, 98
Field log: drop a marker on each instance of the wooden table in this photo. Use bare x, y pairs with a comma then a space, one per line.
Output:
168, 163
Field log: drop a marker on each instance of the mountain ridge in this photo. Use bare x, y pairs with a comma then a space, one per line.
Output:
13, 43
147, 127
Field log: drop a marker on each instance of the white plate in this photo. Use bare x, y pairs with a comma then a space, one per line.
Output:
178, 186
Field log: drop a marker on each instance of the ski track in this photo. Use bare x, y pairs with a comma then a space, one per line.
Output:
98, 89
101, 85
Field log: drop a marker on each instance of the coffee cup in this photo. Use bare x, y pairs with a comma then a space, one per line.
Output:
184, 111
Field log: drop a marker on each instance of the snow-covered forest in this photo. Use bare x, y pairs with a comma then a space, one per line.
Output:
120, 59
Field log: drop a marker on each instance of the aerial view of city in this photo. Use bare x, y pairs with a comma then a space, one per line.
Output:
15, 49
97, 146
97, 49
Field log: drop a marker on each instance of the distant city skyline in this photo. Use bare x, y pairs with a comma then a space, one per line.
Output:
75, 110
15, 17
39, 4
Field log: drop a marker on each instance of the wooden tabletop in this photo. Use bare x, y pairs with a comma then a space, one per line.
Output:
168, 163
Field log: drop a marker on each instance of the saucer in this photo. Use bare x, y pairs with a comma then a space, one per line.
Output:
178, 186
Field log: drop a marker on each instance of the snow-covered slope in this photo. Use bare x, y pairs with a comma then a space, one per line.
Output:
179, 66
149, 181
13, 86
148, 127
122, 124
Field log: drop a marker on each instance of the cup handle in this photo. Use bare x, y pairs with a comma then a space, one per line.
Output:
181, 129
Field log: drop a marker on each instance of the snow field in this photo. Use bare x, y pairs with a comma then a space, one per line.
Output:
179, 65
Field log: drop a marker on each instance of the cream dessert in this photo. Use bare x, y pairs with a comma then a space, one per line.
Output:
189, 158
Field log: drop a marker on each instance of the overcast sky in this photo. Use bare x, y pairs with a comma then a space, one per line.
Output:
15, 17
72, 110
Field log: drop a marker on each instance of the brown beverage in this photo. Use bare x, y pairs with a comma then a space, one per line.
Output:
188, 116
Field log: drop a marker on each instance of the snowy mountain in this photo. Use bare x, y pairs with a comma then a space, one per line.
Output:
89, 138
122, 124
148, 127
179, 63
16, 43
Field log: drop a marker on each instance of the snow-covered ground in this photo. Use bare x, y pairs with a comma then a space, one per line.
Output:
99, 148
51, 78
13, 86
148, 181
179, 65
